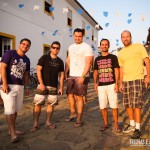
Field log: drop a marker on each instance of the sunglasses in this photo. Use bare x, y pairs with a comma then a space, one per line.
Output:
55, 48
24, 44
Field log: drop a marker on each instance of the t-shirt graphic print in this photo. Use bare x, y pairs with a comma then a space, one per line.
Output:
105, 66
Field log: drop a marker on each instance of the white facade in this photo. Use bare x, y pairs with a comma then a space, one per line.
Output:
27, 19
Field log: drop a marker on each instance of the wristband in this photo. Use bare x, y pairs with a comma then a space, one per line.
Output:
82, 76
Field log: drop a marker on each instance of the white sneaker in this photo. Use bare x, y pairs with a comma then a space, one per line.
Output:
128, 129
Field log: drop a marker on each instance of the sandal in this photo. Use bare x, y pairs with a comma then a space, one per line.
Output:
34, 129
103, 128
76, 125
50, 126
17, 132
71, 119
16, 139
117, 129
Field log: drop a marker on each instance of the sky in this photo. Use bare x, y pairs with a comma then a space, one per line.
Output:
115, 16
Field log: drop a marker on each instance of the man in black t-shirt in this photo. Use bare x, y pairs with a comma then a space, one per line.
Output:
106, 74
49, 68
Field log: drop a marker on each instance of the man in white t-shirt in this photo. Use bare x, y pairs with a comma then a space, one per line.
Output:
78, 63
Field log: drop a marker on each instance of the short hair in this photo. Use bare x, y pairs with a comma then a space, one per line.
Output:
25, 39
55, 42
105, 40
79, 30
126, 31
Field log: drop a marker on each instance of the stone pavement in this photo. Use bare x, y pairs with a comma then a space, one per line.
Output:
66, 137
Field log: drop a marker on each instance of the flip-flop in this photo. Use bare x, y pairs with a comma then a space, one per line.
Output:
117, 129
103, 128
19, 132
51, 126
34, 129
76, 125
16, 139
71, 119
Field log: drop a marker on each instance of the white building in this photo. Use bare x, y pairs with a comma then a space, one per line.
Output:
44, 21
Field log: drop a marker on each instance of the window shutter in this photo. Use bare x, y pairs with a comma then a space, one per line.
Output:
69, 14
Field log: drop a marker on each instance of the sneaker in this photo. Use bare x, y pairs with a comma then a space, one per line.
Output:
137, 134
128, 129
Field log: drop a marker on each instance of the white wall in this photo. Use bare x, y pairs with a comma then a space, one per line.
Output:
29, 23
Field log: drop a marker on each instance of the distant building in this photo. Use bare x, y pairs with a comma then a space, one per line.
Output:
44, 21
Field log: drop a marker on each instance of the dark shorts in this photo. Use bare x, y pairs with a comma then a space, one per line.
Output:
78, 89
132, 94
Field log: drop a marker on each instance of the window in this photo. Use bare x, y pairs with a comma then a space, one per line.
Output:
92, 35
7, 42
83, 27
46, 49
47, 5
69, 18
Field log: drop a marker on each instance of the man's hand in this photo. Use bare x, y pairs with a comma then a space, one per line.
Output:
60, 91
121, 88
116, 88
5, 88
147, 79
96, 87
80, 80
66, 76
42, 87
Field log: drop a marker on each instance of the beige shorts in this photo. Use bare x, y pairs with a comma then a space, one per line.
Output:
41, 99
107, 95
13, 101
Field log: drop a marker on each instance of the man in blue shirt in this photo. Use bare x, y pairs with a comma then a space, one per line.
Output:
15, 67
